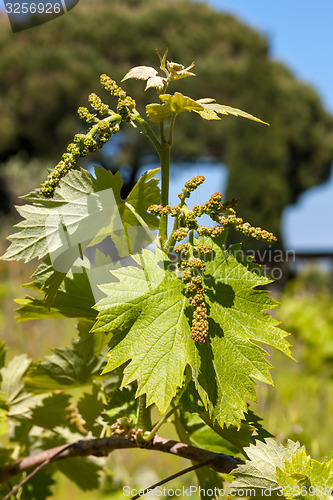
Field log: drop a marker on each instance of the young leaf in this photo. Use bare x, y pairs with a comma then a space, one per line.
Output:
157, 82
146, 73
178, 71
172, 104
303, 476
140, 73
211, 110
258, 473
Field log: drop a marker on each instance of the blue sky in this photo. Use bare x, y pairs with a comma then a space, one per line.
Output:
300, 34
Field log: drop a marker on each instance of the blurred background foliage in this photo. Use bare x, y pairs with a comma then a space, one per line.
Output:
300, 406
48, 71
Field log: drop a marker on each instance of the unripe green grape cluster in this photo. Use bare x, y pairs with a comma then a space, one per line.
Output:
100, 132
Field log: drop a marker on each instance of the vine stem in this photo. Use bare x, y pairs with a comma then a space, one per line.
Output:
144, 416
161, 422
162, 147
191, 237
172, 124
164, 155
100, 447
148, 131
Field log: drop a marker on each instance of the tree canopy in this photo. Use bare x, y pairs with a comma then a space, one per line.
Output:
48, 71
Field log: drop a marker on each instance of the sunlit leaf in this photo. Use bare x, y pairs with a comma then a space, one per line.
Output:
302, 475
140, 73
156, 82
172, 104
84, 212
12, 375
211, 110
258, 473
151, 303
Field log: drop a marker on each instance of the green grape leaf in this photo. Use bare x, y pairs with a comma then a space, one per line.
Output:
172, 104
237, 438
258, 472
90, 407
74, 299
51, 412
14, 399
87, 344
137, 222
151, 304
240, 437
203, 436
158, 343
302, 476
39, 486
121, 403
210, 483
47, 280
75, 212
237, 322
12, 374
211, 110
63, 369
84, 211
83, 471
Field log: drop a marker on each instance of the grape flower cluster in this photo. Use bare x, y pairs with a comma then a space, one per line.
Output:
97, 135
193, 253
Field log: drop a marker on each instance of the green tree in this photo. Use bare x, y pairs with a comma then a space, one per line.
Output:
47, 72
